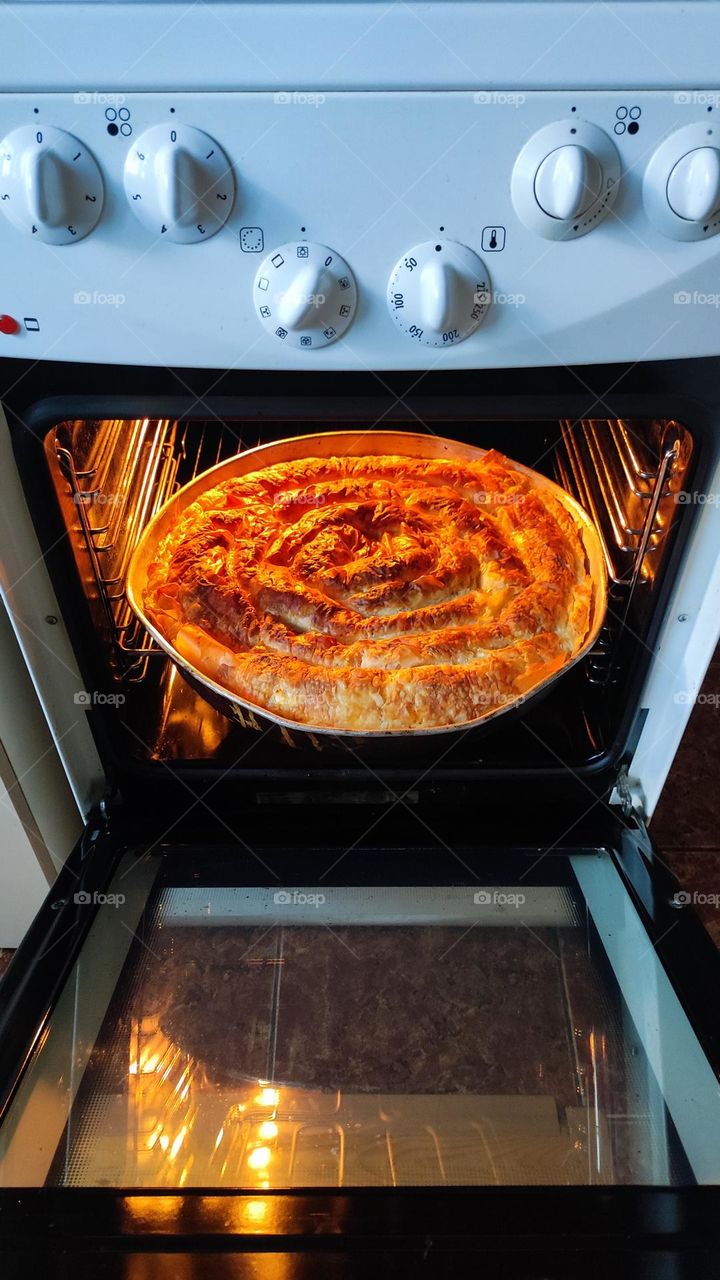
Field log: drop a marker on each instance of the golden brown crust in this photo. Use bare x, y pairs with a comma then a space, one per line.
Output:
375, 593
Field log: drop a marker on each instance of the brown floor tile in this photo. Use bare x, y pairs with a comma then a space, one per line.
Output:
686, 822
698, 872
688, 814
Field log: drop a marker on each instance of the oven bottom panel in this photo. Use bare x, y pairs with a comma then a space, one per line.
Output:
321, 1022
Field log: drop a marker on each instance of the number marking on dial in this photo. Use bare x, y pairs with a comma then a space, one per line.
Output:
179, 183
435, 296
54, 188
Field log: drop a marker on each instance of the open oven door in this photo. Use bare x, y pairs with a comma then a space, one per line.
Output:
321, 1059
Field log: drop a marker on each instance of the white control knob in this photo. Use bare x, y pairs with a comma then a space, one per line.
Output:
565, 179
693, 188
50, 184
305, 294
179, 183
681, 186
567, 182
438, 293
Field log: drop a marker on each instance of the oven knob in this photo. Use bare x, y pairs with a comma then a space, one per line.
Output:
438, 293
179, 183
565, 179
681, 187
305, 294
50, 184
693, 188
567, 182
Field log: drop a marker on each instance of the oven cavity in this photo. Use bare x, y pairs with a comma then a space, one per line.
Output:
112, 475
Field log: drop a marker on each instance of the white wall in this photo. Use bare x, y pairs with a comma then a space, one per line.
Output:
22, 882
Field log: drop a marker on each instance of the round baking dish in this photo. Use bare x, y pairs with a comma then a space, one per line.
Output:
324, 445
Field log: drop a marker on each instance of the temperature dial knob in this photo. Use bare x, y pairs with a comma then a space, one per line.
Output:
681, 187
179, 183
305, 294
439, 293
50, 184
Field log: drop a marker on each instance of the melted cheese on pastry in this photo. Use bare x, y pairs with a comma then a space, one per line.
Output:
375, 593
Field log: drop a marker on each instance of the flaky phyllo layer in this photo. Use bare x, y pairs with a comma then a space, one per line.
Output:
375, 593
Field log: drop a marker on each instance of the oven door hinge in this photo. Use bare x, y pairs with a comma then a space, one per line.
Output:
630, 797
96, 828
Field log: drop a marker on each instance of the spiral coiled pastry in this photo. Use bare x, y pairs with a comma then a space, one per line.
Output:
375, 593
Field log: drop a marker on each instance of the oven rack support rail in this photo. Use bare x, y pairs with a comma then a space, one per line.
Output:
114, 509
630, 485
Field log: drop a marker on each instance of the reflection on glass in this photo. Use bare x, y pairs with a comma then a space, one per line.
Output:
355, 1037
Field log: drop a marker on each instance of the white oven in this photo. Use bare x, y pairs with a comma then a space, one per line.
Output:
303, 1002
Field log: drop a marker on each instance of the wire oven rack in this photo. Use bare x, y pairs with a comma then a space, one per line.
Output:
626, 474
131, 470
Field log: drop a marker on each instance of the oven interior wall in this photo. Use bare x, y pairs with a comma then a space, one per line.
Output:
111, 475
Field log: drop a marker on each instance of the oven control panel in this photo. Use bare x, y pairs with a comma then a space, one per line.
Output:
359, 230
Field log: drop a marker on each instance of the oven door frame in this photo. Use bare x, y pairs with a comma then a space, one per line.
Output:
687, 390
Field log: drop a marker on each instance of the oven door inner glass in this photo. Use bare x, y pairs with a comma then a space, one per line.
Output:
317, 1035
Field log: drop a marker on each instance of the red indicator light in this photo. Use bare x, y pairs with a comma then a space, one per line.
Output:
9, 325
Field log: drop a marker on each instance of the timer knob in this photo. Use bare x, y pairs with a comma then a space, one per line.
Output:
305, 294
179, 183
50, 184
681, 187
565, 179
438, 293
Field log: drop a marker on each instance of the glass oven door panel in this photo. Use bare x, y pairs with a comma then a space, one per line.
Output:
341, 1036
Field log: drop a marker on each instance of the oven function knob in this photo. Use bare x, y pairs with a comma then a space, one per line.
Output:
693, 188
50, 184
681, 186
438, 293
305, 294
179, 183
567, 182
565, 179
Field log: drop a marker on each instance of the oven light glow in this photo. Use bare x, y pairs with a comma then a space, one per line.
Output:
260, 1158
164, 1141
268, 1129
154, 1136
178, 1142
256, 1210
268, 1098
219, 1138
